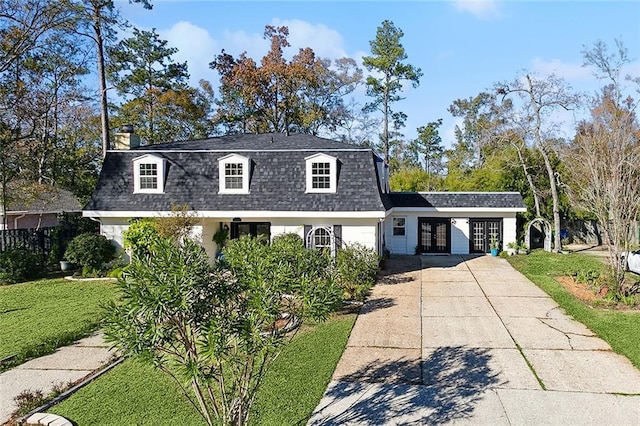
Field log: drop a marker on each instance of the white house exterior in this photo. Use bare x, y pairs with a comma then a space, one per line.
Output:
451, 222
327, 192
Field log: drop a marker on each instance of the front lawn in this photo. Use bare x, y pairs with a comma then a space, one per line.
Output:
137, 394
621, 329
39, 316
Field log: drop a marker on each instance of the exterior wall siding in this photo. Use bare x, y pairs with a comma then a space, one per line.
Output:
459, 229
363, 231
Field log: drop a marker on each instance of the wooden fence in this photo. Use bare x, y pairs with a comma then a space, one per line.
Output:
37, 240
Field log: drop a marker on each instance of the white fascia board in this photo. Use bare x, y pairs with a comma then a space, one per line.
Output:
459, 209
240, 213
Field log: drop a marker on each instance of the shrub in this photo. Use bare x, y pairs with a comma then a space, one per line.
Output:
90, 251
19, 264
140, 236
356, 268
238, 319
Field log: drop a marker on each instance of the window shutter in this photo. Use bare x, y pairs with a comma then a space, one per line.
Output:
337, 233
307, 229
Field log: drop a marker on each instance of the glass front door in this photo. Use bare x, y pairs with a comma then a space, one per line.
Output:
482, 231
434, 235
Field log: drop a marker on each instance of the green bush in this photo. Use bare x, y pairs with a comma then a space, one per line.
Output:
19, 264
140, 236
356, 269
90, 251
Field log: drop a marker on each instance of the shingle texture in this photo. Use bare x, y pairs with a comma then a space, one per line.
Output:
277, 179
51, 199
457, 199
253, 142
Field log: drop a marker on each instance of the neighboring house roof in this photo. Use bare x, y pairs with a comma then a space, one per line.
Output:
440, 200
277, 179
47, 200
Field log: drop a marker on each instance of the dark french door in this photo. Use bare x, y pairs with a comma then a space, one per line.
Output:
434, 235
481, 232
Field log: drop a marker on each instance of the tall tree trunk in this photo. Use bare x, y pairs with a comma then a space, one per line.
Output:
104, 112
536, 200
557, 241
385, 129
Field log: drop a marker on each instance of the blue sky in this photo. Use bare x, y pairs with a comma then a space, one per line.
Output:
462, 47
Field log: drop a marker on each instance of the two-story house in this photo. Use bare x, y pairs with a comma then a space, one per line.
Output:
329, 193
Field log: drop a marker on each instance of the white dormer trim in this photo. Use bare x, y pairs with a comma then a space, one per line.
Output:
148, 161
321, 187
240, 164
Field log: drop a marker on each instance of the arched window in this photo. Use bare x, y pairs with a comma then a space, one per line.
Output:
322, 237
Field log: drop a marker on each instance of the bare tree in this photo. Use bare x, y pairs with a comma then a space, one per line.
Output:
604, 159
537, 100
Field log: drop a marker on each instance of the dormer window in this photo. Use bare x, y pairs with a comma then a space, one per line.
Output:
234, 174
321, 173
148, 175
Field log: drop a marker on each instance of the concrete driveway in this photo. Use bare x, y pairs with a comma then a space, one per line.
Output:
463, 339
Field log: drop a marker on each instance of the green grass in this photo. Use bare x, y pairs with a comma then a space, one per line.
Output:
133, 393
621, 329
39, 316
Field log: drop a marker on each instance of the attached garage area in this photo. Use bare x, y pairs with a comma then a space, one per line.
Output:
451, 222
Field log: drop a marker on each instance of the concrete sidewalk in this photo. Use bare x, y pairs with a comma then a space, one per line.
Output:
65, 365
451, 339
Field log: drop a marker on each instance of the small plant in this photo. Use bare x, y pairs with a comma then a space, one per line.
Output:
90, 251
493, 243
18, 265
28, 400
179, 224
220, 237
356, 269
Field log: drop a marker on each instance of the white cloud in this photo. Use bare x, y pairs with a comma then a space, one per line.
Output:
482, 9
195, 45
566, 70
449, 136
237, 42
325, 42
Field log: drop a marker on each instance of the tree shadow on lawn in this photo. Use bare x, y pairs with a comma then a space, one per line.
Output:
454, 380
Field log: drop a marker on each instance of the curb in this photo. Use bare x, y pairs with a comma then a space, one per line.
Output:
27, 418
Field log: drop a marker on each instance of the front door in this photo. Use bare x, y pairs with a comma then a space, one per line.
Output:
434, 235
482, 232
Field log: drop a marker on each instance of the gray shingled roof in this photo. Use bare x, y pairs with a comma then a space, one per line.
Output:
277, 178
252, 142
50, 199
457, 199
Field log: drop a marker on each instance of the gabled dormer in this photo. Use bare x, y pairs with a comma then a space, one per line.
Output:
234, 173
321, 173
148, 174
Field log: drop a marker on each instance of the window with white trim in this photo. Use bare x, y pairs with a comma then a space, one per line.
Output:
234, 174
148, 174
399, 226
322, 173
321, 238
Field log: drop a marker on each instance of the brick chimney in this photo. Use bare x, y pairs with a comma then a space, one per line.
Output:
125, 139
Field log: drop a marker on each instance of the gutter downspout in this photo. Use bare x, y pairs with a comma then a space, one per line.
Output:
15, 220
